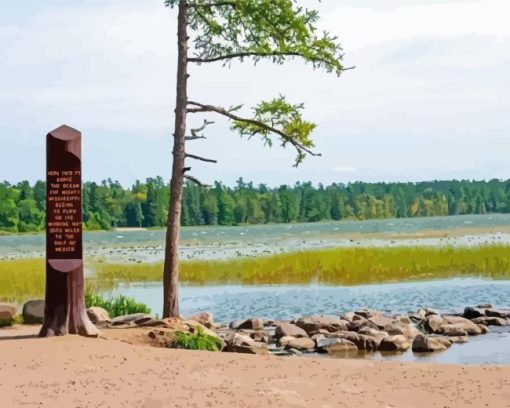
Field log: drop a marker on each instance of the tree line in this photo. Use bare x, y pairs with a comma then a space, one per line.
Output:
109, 205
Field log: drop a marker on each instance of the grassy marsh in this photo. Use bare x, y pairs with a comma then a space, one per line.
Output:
20, 279
345, 266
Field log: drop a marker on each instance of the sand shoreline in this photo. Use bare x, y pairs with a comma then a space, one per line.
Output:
72, 371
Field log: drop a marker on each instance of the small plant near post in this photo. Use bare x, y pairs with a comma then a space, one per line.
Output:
195, 341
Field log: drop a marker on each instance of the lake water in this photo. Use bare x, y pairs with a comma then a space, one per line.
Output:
231, 302
209, 242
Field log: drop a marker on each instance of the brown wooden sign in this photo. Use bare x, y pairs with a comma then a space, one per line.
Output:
63, 191
64, 304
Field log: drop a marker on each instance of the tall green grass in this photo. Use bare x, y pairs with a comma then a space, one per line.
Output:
346, 266
21, 279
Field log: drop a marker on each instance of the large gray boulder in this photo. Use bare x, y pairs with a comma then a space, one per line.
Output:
460, 323
432, 323
377, 334
367, 313
360, 322
474, 312
7, 312
240, 343
289, 329
362, 342
334, 345
395, 343
205, 318
423, 343
33, 311
97, 314
381, 320
399, 327
312, 324
503, 314
301, 344
255, 323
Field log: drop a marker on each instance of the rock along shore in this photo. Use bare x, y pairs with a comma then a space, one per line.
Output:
363, 330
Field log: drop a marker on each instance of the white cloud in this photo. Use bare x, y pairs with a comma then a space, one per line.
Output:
359, 27
428, 98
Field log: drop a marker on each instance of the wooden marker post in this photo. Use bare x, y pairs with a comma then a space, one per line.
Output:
65, 310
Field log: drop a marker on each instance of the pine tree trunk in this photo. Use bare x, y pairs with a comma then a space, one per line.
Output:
171, 268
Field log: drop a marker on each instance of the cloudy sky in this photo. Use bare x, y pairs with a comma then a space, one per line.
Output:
429, 98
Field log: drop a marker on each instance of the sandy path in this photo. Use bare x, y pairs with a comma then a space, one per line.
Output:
76, 372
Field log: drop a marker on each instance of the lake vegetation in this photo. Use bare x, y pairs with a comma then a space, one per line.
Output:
24, 278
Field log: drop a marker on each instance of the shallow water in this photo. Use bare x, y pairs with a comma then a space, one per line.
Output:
492, 348
231, 302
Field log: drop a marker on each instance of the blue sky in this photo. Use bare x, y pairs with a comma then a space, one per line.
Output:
429, 98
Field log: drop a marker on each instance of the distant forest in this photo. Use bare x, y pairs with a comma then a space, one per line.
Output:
108, 204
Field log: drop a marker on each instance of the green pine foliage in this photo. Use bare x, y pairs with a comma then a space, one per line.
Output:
108, 204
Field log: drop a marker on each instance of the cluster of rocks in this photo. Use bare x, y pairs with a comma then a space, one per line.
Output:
363, 330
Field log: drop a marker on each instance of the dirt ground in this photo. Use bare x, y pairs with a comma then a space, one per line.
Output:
72, 371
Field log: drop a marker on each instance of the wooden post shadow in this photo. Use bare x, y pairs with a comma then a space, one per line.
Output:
65, 310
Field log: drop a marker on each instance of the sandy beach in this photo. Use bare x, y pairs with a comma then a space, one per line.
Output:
72, 371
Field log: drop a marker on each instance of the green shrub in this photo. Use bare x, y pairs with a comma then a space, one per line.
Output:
197, 341
9, 322
117, 306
